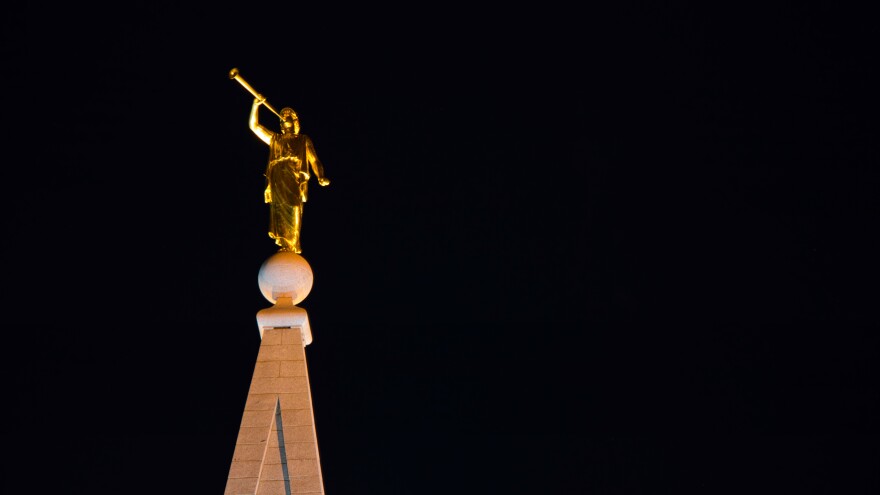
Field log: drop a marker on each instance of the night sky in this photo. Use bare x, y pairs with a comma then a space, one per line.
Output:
601, 250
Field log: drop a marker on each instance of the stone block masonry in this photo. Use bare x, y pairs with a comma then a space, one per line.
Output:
277, 448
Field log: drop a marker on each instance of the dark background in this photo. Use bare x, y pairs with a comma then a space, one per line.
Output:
621, 250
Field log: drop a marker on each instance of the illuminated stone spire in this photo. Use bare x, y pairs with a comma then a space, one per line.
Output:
277, 447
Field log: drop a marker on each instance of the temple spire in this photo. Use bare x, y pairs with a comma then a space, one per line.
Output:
277, 447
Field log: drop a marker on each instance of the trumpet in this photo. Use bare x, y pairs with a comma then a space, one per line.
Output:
233, 74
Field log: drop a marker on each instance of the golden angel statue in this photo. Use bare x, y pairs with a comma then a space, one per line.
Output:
291, 157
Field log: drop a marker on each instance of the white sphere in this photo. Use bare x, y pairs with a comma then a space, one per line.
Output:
285, 274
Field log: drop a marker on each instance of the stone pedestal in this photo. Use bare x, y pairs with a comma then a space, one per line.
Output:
277, 447
285, 279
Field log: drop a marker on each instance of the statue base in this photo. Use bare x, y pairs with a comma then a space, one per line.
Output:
285, 279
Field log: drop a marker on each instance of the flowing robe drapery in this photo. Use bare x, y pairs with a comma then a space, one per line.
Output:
287, 176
